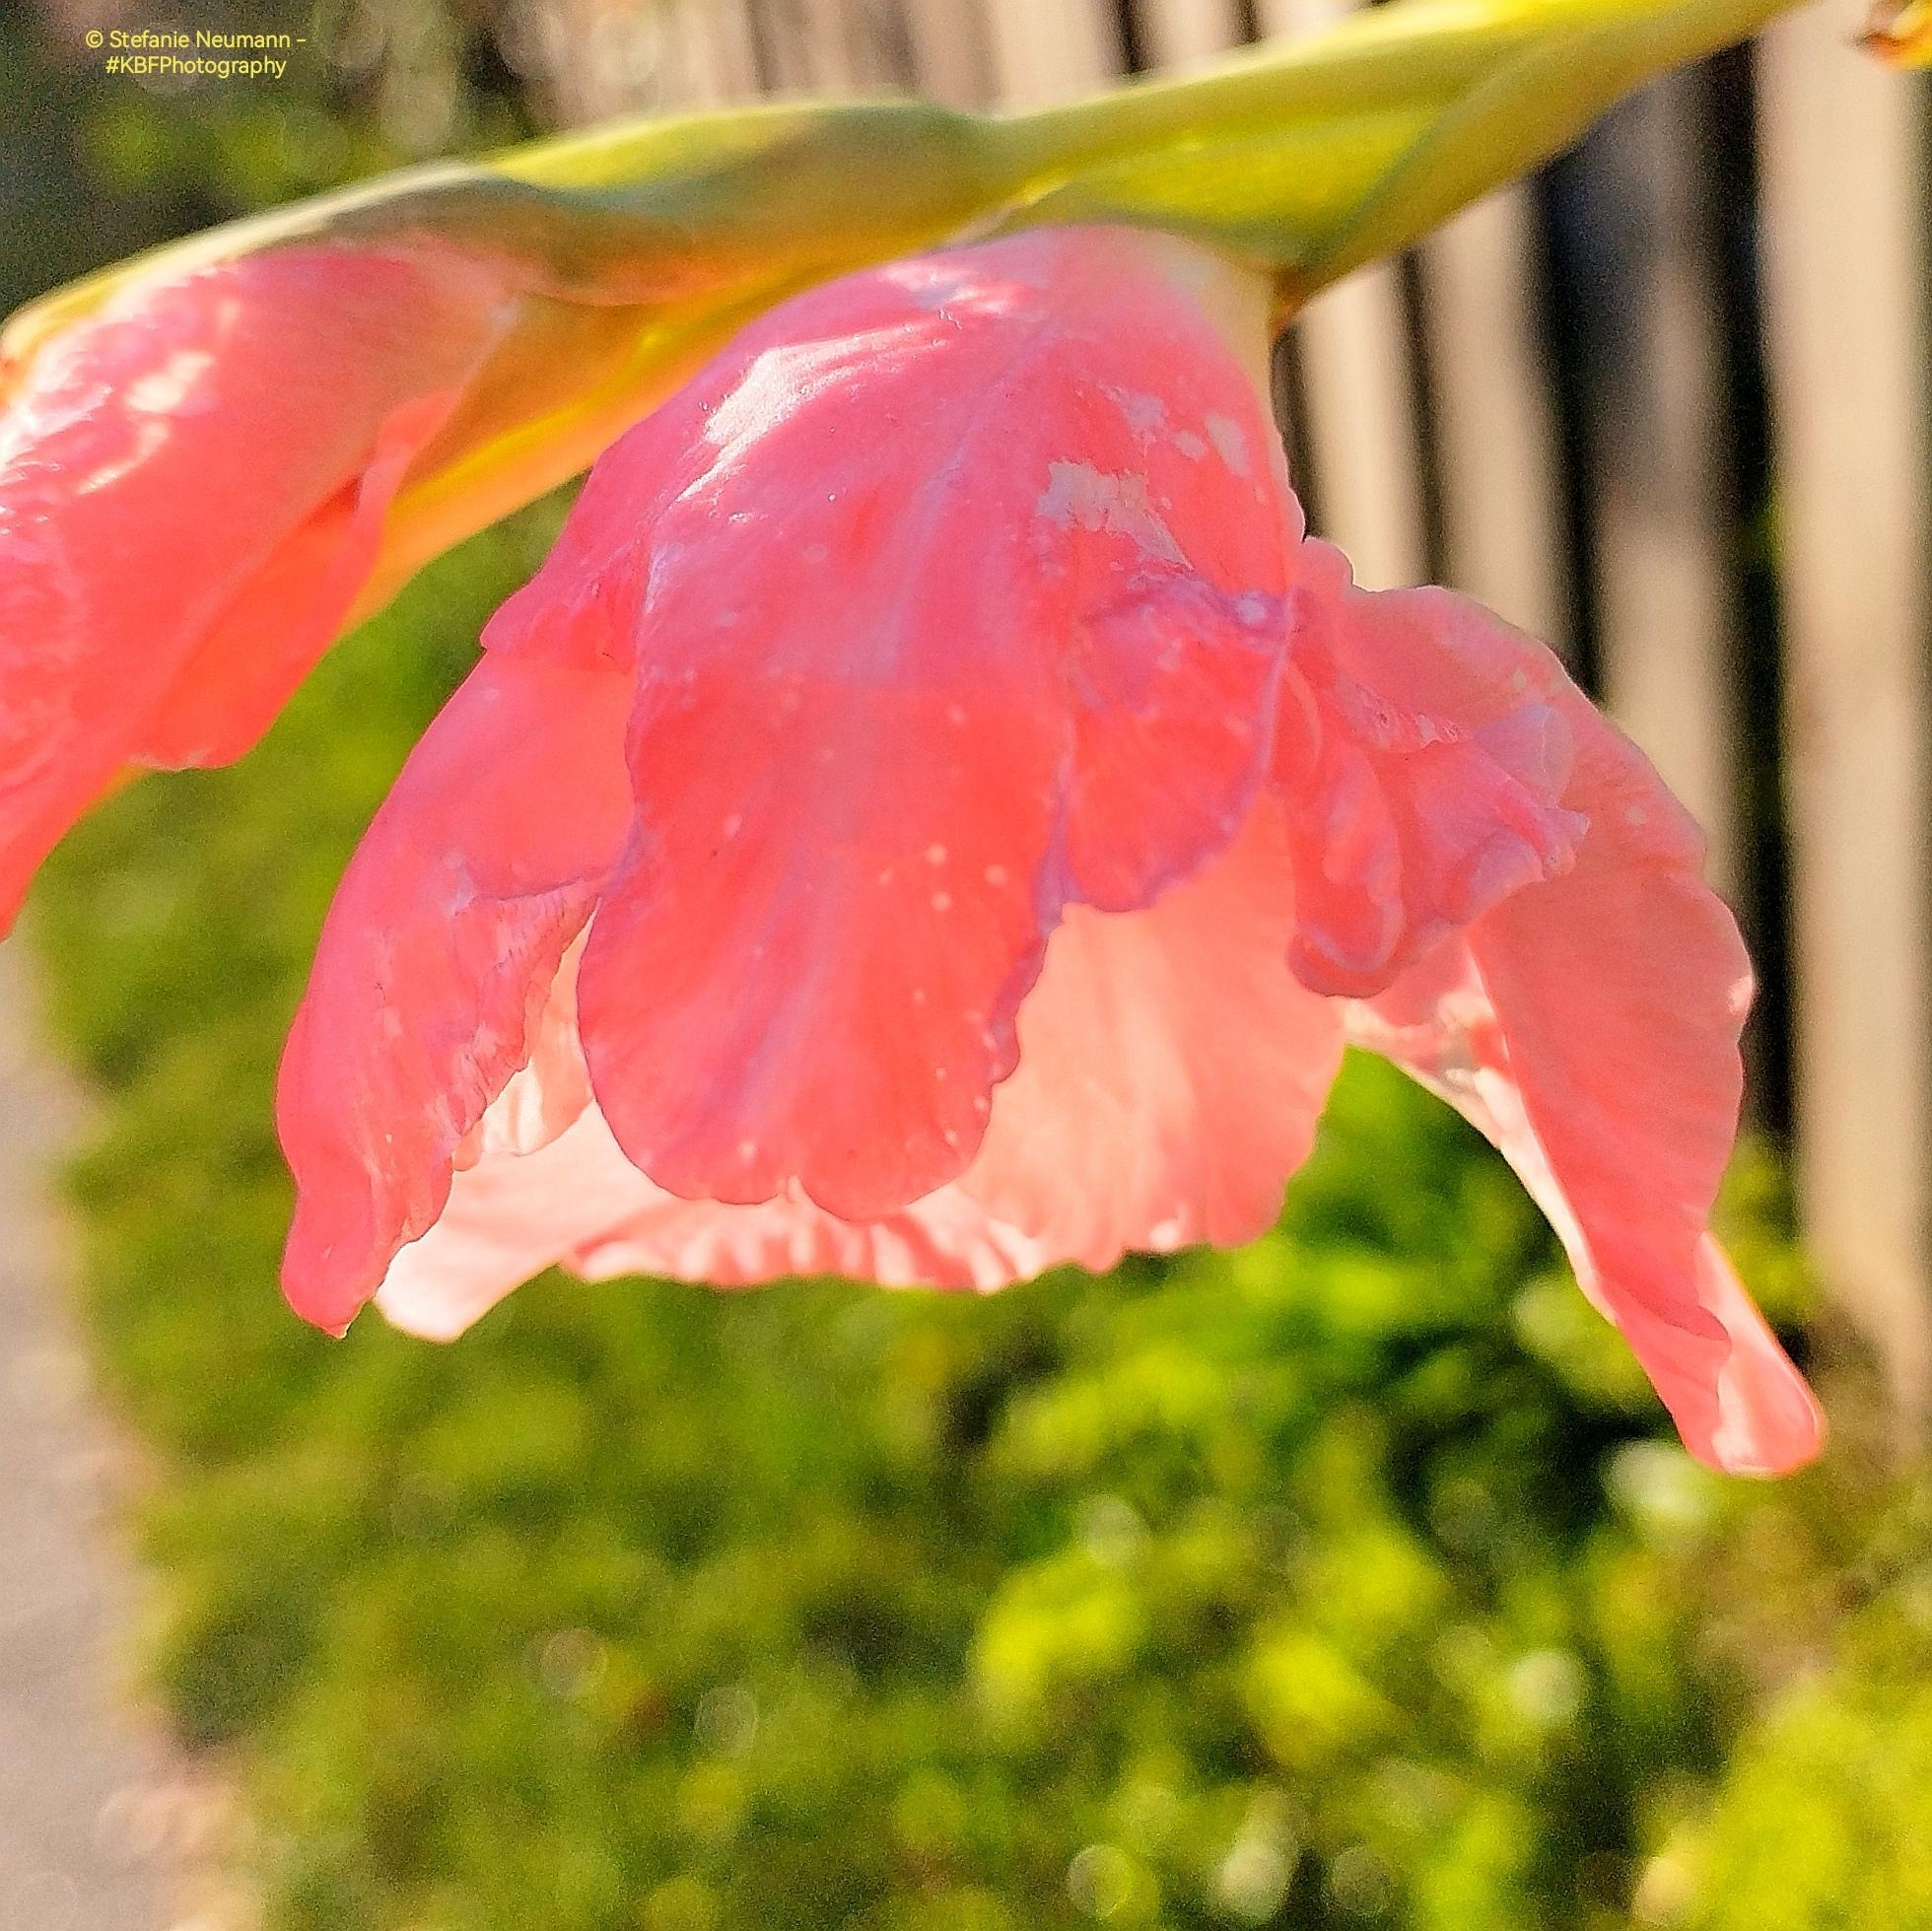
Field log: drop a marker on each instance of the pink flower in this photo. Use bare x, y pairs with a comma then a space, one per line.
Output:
193, 485
937, 815
212, 469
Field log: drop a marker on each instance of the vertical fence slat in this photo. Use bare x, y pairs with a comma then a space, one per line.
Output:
719, 54
1843, 169
1046, 52
1665, 602
1496, 428
953, 55
826, 34
1176, 31
1360, 427
1359, 395
597, 62
801, 43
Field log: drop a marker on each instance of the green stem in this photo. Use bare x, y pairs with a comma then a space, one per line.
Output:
1487, 91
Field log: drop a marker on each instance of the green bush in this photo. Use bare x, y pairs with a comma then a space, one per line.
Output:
1350, 1579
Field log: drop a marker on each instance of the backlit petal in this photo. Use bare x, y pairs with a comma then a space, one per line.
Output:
437, 967
1171, 1072
1589, 1026
578, 1202
1171, 1076
953, 596
192, 483
947, 1240
1407, 819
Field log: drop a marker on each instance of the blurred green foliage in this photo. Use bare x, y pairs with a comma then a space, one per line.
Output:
1352, 1579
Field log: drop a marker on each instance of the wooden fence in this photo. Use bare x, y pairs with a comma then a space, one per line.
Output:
1666, 408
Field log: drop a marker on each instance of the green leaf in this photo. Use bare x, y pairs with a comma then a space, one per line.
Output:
1313, 157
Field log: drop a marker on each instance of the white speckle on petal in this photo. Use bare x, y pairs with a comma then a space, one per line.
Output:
1229, 442
162, 390
1078, 495
936, 855
941, 901
1144, 414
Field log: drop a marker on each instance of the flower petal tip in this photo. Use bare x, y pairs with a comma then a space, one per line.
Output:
1768, 1420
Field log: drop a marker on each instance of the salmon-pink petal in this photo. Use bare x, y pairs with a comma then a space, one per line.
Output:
953, 594
191, 482
438, 965
1589, 1025
548, 1091
577, 1201
945, 1240
507, 1217
286, 616
1768, 1419
1172, 1069
1406, 820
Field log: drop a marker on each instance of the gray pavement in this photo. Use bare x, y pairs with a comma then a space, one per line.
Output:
98, 1823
